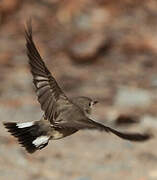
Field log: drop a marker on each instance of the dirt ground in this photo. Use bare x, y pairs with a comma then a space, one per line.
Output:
103, 49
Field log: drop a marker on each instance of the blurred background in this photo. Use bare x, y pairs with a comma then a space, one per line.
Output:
104, 49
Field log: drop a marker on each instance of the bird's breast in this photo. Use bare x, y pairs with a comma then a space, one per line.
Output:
57, 135
61, 133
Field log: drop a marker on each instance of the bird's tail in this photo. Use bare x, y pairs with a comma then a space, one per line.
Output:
31, 135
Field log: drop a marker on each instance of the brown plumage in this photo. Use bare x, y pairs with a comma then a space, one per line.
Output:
62, 116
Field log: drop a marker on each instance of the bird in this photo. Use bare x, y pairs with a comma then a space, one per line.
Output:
62, 116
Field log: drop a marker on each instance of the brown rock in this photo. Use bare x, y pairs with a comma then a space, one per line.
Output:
7, 6
88, 47
5, 58
126, 120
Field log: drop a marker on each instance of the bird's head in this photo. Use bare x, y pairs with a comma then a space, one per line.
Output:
85, 103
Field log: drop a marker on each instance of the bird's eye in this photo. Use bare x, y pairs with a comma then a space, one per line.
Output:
89, 104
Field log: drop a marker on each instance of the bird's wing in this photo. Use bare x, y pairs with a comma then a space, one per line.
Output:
47, 89
87, 123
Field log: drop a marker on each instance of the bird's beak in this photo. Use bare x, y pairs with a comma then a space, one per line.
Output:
95, 102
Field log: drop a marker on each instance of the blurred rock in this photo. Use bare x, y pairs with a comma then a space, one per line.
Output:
89, 41
148, 157
154, 81
83, 178
149, 121
133, 97
68, 9
5, 59
88, 48
69, 83
153, 174
8, 6
125, 120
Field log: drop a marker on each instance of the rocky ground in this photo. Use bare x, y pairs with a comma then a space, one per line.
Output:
97, 48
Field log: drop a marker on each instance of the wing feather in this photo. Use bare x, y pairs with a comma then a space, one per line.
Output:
87, 123
47, 89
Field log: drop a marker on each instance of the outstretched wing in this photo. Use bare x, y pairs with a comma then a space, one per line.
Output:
47, 89
87, 123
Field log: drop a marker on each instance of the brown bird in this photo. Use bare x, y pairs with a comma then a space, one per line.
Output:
62, 116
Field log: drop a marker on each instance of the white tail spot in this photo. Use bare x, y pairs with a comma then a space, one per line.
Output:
40, 140
24, 125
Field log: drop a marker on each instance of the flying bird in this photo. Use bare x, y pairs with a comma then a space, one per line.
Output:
63, 116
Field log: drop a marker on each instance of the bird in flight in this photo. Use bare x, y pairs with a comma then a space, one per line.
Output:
63, 116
